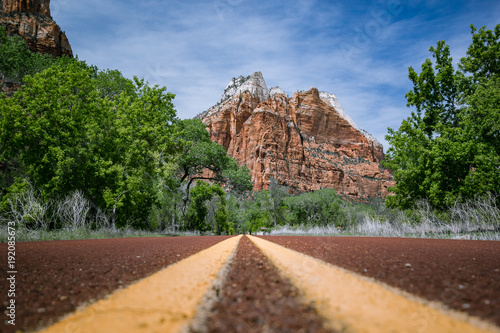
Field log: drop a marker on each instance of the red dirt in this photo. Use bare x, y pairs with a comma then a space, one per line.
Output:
255, 298
462, 274
55, 277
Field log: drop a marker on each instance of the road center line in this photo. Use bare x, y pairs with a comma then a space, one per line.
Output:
352, 303
163, 302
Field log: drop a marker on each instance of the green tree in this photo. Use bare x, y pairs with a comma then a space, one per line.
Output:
257, 212
447, 150
141, 149
277, 194
16, 59
65, 134
436, 94
480, 140
111, 84
168, 204
200, 195
217, 215
204, 159
322, 207
483, 55
239, 178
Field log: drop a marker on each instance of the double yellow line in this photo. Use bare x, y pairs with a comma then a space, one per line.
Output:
168, 300
163, 302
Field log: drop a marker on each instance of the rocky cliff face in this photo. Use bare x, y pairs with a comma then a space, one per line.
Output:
306, 142
31, 19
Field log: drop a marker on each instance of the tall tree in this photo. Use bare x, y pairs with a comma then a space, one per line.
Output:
447, 149
277, 193
436, 94
200, 195
67, 134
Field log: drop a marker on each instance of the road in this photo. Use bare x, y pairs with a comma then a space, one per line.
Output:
256, 284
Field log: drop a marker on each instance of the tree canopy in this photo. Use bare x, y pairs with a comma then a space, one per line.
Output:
16, 59
66, 134
204, 159
448, 149
196, 217
72, 127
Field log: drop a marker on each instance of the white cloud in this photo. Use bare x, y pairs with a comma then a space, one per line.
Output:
195, 47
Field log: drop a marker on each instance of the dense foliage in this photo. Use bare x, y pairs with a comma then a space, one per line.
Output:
116, 142
16, 59
275, 207
449, 148
65, 136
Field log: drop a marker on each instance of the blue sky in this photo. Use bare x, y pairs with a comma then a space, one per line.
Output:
358, 50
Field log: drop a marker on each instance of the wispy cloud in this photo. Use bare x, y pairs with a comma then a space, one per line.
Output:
358, 50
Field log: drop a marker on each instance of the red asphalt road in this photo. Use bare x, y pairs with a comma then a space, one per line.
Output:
55, 277
462, 274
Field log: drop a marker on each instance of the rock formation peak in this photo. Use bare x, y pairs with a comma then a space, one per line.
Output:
306, 142
276, 90
31, 20
254, 84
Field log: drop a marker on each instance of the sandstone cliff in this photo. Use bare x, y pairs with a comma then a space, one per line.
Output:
31, 19
306, 142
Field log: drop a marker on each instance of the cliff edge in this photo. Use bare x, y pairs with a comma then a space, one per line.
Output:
31, 19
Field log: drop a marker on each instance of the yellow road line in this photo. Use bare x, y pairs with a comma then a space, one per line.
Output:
163, 302
352, 303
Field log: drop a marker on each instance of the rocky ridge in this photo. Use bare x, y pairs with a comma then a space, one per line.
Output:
306, 142
31, 19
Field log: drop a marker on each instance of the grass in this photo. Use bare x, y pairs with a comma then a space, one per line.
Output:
32, 217
373, 228
369, 228
477, 219
26, 235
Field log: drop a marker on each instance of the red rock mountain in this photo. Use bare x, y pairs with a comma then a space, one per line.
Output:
306, 142
31, 19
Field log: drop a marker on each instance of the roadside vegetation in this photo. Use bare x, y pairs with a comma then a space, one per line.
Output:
477, 219
88, 153
449, 148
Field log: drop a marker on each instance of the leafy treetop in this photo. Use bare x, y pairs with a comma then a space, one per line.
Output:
448, 149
